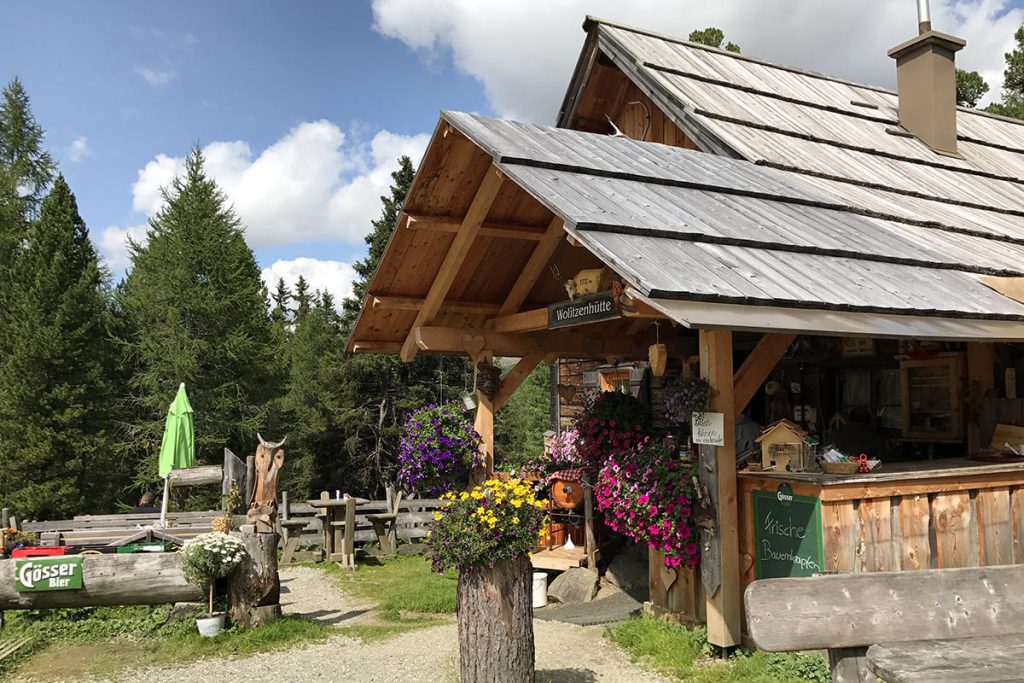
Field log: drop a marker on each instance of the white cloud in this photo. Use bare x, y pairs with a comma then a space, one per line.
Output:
113, 242
327, 276
524, 52
155, 77
313, 183
79, 149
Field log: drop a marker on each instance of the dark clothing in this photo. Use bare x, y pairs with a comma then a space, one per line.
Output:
854, 439
141, 509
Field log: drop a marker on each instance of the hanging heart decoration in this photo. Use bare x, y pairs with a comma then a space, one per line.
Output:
668, 576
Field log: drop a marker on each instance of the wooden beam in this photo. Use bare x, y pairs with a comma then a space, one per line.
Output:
197, 476
643, 310
457, 253
758, 365
376, 346
515, 377
410, 303
528, 277
484, 426
723, 605
527, 321
510, 231
567, 343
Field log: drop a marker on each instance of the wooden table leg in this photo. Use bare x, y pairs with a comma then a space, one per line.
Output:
349, 541
383, 531
290, 546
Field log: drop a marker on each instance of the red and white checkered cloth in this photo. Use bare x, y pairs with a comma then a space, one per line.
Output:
566, 475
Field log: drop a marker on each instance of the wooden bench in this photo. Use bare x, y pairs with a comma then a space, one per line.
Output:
847, 614
107, 530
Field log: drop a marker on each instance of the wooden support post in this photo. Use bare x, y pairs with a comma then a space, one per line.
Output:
457, 253
758, 365
980, 380
516, 376
588, 523
723, 604
5, 518
250, 479
484, 425
348, 545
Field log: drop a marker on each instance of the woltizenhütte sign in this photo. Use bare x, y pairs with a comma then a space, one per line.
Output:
48, 574
586, 309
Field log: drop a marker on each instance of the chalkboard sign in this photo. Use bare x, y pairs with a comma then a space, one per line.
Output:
787, 534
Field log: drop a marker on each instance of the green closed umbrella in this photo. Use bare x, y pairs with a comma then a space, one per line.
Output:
178, 448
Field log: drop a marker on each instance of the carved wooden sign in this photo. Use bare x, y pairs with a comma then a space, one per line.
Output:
584, 309
263, 504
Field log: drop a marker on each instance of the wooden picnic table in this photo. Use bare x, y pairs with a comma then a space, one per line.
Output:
965, 660
339, 527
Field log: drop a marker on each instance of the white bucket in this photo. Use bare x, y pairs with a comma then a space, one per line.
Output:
540, 589
210, 626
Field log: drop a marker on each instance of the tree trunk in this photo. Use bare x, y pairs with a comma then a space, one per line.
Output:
496, 623
254, 589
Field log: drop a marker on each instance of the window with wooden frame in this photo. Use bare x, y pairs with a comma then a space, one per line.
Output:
615, 380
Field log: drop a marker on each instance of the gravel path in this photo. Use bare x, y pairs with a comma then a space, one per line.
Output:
565, 653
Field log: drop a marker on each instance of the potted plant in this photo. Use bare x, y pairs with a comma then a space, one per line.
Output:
205, 559
438, 449
648, 494
487, 534
231, 500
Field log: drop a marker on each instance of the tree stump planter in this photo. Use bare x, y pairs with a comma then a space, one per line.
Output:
495, 613
254, 589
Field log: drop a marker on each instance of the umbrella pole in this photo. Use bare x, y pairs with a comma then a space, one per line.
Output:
163, 507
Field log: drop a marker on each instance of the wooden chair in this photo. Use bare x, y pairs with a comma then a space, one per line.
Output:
384, 525
847, 614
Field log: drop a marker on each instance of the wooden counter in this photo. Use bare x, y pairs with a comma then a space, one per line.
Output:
907, 516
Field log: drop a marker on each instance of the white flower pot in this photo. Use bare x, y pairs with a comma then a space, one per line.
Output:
210, 626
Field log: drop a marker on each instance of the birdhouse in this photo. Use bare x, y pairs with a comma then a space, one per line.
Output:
657, 354
783, 447
592, 281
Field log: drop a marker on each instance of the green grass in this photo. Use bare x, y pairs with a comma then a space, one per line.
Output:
107, 640
399, 585
684, 654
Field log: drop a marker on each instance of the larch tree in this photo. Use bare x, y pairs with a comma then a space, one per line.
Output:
56, 386
195, 310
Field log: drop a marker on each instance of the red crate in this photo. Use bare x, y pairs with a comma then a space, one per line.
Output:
37, 551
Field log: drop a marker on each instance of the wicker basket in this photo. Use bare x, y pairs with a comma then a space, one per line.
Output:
849, 467
221, 524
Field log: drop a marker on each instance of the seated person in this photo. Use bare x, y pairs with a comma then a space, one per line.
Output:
146, 503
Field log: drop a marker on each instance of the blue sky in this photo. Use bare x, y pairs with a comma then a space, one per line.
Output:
304, 106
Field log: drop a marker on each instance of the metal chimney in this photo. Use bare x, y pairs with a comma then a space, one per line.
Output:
926, 83
924, 16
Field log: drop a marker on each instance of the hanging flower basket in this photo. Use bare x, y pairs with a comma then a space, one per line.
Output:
685, 396
438, 450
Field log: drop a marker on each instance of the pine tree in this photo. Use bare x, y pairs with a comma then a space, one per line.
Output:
313, 400
303, 298
520, 425
970, 87
55, 389
713, 37
377, 240
195, 311
281, 297
1012, 104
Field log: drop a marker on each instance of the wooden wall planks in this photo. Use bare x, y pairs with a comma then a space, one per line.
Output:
960, 522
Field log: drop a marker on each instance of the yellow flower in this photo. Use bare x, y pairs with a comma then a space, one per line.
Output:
463, 496
481, 510
515, 520
437, 516
517, 503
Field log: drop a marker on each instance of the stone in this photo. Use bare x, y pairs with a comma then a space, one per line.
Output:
629, 571
185, 610
573, 586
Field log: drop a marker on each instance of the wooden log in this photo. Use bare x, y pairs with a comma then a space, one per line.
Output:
135, 579
197, 476
254, 589
496, 623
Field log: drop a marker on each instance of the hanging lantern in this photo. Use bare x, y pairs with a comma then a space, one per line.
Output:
657, 354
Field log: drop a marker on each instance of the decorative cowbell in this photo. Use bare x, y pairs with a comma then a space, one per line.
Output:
657, 354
